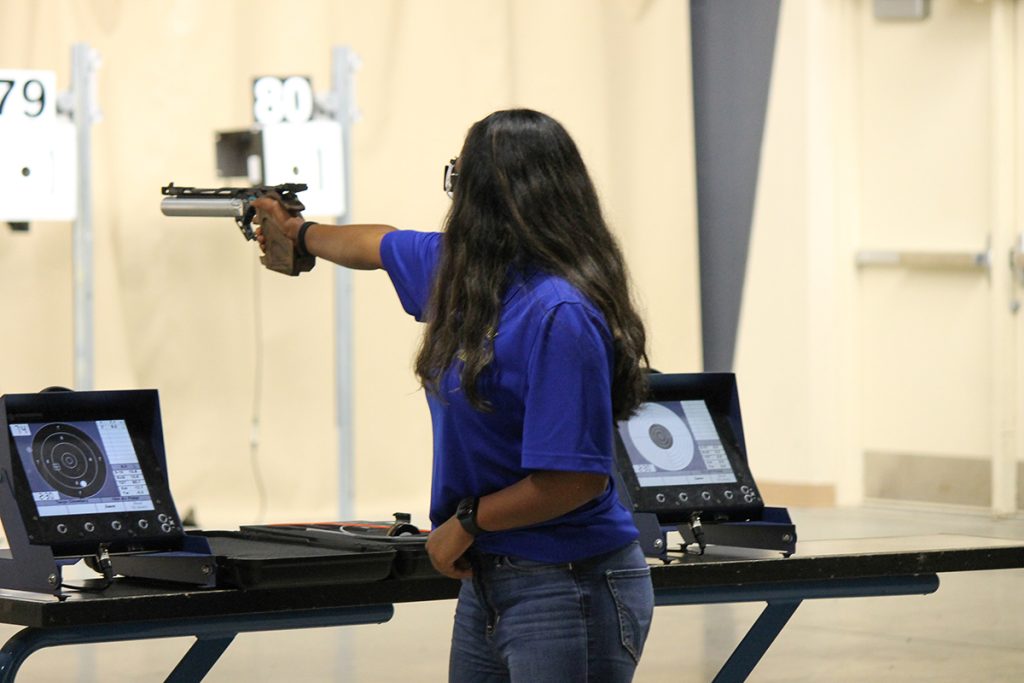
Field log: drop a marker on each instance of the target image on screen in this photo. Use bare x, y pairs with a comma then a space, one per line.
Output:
77, 468
675, 443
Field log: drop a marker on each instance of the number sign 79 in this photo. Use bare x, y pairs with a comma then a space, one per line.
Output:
26, 95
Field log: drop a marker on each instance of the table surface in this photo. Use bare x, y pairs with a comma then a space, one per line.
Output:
128, 601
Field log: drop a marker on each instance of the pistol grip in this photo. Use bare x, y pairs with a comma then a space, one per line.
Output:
280, 254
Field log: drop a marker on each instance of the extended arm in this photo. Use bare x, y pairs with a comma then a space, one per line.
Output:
352, 246
537, 498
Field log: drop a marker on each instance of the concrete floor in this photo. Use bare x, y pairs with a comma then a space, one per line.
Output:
972, 629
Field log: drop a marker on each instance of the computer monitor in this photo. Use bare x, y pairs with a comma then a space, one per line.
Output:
682, 452
89, 469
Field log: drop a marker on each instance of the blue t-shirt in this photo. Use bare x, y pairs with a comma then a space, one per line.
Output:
550, 389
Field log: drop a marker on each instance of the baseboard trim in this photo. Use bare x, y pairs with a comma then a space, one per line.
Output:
912, 477
781, 494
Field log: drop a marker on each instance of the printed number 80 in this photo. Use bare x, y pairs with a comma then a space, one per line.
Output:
278, 100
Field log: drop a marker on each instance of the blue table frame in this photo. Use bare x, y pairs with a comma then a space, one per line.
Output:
822, 570
782, 601
213, 635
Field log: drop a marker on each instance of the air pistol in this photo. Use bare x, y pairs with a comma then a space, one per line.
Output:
280, 254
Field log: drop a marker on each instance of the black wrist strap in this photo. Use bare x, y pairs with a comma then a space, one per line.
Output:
466, 515
300, 238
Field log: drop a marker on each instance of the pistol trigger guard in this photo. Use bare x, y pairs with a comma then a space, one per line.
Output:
245, 223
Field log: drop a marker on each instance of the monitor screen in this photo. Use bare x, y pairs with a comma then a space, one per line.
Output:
78, 468
675, 443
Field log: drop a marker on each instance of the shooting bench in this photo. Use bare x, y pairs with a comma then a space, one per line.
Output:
130, 610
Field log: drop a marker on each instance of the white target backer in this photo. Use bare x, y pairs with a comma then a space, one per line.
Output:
661, 437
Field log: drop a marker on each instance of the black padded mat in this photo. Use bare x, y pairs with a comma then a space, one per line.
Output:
244, 562
410, 560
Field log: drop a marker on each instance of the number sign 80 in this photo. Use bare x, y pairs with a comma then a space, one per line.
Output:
282, 100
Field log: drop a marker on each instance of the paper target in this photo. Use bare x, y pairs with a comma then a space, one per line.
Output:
661, 437
69, 460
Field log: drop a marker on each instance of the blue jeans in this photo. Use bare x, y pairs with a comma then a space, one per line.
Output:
529, 622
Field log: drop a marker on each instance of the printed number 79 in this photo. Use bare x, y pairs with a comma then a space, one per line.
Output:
39, 98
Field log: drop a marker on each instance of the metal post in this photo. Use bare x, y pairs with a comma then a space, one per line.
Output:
344, 62
84, 63
1004, 421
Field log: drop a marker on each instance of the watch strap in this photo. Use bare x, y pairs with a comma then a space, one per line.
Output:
300, 238
466, 514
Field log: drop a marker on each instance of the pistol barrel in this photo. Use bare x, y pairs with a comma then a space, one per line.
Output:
202, 206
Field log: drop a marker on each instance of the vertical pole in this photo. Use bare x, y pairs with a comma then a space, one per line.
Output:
847, 114
84, 62
343, 65
84, 111
1003, 351
1016, 338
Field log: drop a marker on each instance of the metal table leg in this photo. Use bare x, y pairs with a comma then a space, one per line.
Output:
783, 598
199, 659
213, 635
757, 641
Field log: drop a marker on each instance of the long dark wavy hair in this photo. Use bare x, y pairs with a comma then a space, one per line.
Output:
523, 200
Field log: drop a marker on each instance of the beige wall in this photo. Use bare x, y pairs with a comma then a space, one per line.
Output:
789, 362
897, 136
852, 158
177, 299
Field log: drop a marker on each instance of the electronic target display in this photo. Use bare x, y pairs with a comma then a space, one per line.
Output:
78, 468
672, 444
88, 469
681, 453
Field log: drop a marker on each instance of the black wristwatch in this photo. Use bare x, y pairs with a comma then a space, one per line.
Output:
466, 514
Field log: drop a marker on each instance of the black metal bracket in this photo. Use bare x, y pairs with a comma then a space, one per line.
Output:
773, 531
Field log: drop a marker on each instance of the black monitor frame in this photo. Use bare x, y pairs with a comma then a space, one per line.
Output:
710, 502
84, 533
